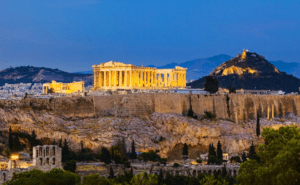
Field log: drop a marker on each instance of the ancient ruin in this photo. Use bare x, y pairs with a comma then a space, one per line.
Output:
44, 158
59, 87
115, 75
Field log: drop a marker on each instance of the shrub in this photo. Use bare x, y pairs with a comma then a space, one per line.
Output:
127, 164
209, 115
176, 165
199, 161
70, 166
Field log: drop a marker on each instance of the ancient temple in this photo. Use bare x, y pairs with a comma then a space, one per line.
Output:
115, 75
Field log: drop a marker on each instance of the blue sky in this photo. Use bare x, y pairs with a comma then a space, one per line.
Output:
72, 35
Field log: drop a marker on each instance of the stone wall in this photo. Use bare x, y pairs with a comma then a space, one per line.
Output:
238, 108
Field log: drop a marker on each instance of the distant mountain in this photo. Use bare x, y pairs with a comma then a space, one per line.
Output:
251, 71
292, 68
30, 74
198, 67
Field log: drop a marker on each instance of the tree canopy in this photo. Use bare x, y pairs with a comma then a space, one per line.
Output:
279, 159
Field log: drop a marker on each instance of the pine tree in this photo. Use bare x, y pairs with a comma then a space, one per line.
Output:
244, 157
211, 154
133, 153
65, 152
113, 153
105, 156
160, 177
252, 153
60, 143
211, 84
185, 150
33, 141
111, 173
257, 125
219, 153
224, 171
10, 140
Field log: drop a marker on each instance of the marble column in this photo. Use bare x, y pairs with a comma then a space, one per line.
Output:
104, 85
109, 78
126, 78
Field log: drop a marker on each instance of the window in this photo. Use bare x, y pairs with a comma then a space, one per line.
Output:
40, 150
53, 161
41, 162
47, 161
47, 151
4, 177
53, 150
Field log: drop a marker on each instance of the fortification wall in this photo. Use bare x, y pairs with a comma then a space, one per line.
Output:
238, 108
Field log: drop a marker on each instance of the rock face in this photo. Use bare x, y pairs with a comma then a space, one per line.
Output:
251, 71
158, 131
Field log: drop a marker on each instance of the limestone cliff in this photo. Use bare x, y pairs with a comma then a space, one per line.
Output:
158, 131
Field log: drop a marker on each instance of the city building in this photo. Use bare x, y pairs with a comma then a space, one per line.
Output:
67, 88
115, 75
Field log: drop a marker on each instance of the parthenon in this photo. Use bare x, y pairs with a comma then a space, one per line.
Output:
116, 75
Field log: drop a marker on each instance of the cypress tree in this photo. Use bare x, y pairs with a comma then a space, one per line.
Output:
60, 143
252, 153
160, 177
33, 141
113, 153
65, 152
257, 125
211, 154
105, 155
133, 153
10, 140
185, 150
224, 171
111, 173
213, 150
219, 153
244, 157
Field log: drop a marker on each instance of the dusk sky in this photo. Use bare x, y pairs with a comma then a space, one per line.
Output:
72, 35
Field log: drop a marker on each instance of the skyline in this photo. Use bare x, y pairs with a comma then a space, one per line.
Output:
74, 35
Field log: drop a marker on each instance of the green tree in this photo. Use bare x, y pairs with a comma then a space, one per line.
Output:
212, 156
133, 153
94, 179
212, 180
111, 173
70, 166
105, 155
33, 140
10, 140
144, 179
185, 150
219, 153
279, 159
211, 84
65, 152
257, 125
252, 153
37, 177
244, 157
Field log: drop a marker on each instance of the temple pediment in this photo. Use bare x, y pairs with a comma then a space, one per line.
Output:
114, 64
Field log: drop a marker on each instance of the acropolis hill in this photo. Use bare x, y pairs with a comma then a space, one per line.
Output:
155, 121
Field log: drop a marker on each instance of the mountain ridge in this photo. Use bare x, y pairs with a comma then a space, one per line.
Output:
250, 71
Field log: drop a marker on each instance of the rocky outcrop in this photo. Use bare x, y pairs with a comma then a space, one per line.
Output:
164, 132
